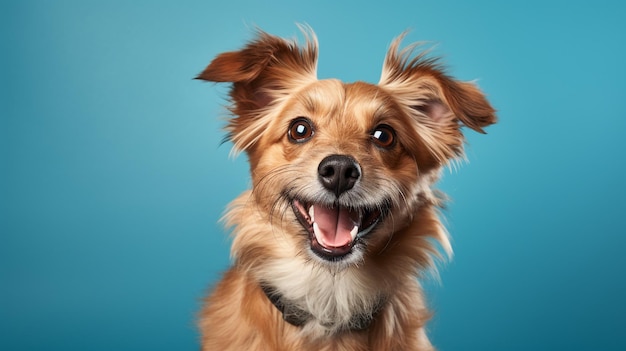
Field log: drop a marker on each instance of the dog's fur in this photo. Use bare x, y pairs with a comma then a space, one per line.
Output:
394, 138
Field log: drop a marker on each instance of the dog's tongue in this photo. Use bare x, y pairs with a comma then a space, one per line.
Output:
334, 227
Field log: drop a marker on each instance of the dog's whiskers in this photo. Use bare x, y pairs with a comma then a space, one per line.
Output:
279, 207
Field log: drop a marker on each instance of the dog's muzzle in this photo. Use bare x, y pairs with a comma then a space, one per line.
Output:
334, 228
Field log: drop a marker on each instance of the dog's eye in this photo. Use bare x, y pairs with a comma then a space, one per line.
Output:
384, 136
300, 130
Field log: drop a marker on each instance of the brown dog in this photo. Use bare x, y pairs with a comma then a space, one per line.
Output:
341, 218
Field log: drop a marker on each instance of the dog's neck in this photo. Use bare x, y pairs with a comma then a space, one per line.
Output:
298, 317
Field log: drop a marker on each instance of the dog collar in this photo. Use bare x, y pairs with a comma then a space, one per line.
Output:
298, 317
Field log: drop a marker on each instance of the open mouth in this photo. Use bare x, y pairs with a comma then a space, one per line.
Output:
335, 230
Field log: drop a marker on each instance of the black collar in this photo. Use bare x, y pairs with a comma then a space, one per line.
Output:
298, 317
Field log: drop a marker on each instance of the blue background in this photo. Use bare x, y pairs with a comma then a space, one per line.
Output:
112, 177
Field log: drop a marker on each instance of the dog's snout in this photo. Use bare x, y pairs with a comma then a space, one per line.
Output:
338, 173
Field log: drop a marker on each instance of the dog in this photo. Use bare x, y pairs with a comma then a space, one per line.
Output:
342, 217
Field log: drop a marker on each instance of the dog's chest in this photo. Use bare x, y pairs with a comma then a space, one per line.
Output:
326, 301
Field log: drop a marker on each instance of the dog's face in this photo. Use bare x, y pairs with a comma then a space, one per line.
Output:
337, 164
339, 168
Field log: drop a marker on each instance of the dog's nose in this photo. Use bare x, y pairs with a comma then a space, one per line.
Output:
338, 173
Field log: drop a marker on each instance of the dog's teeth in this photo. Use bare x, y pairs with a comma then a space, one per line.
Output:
312, 213
354, 231
316, 231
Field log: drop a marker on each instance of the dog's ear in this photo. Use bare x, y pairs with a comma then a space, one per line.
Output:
438, 104
266, 70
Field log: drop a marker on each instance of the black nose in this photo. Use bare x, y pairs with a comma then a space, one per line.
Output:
338, 173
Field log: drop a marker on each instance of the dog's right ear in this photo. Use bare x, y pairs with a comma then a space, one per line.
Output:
265, 71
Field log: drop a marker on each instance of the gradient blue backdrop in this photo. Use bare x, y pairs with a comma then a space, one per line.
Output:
112, 177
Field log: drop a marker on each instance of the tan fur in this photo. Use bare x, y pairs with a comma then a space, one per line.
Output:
273, 82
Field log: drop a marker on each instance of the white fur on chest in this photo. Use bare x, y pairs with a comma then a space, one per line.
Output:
333, 298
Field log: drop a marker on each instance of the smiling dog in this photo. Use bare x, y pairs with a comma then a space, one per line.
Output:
342, 217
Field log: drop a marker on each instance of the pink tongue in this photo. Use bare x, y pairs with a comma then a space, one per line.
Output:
333, 226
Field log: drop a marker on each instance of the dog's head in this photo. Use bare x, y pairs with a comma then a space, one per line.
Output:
338, 166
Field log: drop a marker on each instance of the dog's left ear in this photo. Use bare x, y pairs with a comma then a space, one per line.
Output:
438, 104
266, 70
